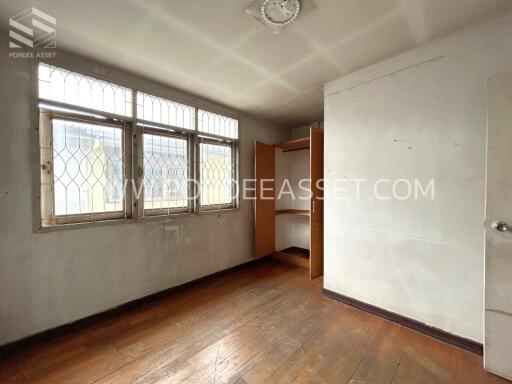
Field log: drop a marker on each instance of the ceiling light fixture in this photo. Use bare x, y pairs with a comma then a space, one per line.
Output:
280, 12
277, 15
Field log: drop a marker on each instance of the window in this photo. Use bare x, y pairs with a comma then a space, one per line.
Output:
218, 180
83, 168
218, 159
218, 125
88, 168
102, 159
62, 86
157, 110
83, 147
166, 172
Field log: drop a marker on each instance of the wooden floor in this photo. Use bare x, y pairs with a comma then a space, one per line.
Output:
266, 324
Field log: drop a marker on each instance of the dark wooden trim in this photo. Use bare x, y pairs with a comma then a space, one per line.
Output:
450, 338
293, 150
61, 330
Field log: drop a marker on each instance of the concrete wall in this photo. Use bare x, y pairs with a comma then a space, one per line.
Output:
421, 115
48, 279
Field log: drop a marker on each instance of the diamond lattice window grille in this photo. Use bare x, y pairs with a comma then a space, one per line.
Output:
166, 169
216, 162
88, 168
63, 86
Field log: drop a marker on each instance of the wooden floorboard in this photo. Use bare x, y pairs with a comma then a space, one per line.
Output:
266, 324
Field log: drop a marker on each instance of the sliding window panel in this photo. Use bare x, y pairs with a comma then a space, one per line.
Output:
217, 169
88, 171
166, 174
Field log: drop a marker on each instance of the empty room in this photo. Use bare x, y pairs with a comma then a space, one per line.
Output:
256, 191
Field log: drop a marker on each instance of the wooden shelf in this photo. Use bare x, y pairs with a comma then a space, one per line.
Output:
294, 145
295, 212
293, 255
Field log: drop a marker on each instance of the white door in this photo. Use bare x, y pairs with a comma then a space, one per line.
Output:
498, 239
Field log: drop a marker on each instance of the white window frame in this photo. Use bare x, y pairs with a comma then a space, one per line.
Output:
233, 145
151, 212
133, 130
48, 216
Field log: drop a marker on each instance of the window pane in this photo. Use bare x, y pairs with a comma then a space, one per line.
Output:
88, 165
217, 124
72, 88
216, 174
163, 111
165, 172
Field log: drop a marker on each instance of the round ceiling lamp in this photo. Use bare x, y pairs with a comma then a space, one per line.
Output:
280, 12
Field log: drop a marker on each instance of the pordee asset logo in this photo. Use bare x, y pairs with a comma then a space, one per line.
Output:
32, 34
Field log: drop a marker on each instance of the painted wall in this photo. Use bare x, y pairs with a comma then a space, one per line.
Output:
292, 231
284, 233
299, 171
49, 279
303, 130
421, 115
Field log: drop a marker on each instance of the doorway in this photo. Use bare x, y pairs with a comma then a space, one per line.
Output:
498, 237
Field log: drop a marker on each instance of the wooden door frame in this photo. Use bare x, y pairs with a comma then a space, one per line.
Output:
316, 218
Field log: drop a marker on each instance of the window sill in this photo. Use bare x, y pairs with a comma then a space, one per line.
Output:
117, 222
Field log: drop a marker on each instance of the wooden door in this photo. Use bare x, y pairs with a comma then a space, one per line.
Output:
316, 220
498, 234
264, 204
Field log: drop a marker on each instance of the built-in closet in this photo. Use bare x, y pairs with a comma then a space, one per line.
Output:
288, 209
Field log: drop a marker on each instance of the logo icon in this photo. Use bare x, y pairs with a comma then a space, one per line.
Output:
32, 28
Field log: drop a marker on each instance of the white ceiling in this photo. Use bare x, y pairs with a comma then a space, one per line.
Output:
213, 49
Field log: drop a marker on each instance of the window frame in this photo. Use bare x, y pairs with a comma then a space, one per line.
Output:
153, 212
133, 131
48, 216
233, 145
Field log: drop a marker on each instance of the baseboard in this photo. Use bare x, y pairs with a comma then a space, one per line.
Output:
61, 330
439, 334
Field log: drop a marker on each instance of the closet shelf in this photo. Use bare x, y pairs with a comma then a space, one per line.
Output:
294, 255
295, 212
294, 145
